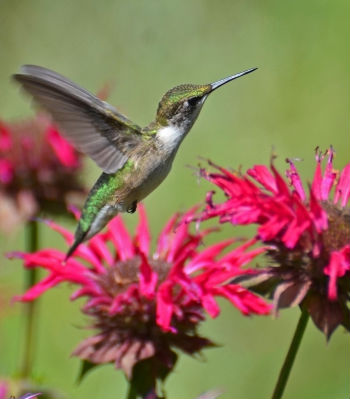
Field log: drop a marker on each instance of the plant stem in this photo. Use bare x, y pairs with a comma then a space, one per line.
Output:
134, 394
289, 360
143, 383
31, 275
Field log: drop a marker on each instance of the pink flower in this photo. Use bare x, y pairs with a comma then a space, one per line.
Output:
308, 234
39, 171
62, 149
9, 386
145, 305
3, 390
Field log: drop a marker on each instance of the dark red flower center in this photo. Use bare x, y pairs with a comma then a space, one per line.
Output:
122, 274
338, 233
129, 333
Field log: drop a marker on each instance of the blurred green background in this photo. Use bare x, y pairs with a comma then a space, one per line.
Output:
297, 99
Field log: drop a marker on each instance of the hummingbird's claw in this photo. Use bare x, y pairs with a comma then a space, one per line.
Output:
132, 208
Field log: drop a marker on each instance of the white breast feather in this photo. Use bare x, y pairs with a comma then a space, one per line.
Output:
170, 136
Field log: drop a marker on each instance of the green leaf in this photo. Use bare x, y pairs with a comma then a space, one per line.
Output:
147, 373
85, 367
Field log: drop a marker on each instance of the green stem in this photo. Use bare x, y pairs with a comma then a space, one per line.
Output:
142, 389
31, 276
289, 360
143, 383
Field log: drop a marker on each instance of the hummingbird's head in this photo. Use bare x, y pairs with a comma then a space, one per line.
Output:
180, 106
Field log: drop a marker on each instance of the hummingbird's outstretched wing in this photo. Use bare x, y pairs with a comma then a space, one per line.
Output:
93, 126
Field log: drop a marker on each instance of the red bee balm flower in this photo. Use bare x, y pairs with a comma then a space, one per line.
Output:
308, 236
145, 305
8, 387
38, 171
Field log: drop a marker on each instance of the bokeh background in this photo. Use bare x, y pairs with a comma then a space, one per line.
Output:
297, 100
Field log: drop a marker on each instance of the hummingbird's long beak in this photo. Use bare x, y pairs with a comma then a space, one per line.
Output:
221, 82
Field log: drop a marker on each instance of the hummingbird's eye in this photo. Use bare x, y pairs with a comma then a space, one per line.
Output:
193, 101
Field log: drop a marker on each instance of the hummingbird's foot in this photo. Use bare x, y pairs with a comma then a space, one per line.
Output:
132, 208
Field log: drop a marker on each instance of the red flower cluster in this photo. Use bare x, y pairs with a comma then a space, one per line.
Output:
38, 171
7, 387
144, 305
308, 235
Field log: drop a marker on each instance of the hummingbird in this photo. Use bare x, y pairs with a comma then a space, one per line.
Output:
134, 160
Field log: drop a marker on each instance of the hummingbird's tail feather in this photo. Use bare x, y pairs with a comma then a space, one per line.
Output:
97, 221
80, 236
